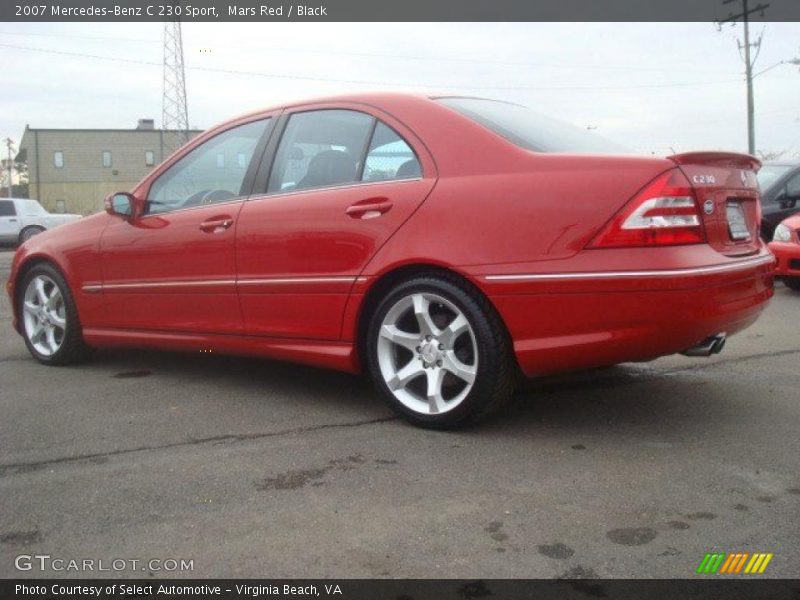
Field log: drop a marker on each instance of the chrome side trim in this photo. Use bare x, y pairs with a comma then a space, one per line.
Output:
236, 200
280, 280
338, 186
156, 284
735, 266
94, 288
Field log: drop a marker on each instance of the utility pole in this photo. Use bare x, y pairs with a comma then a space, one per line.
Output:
10, 166
748, 61
175, 112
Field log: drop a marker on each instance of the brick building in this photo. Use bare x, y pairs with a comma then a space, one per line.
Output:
72, 170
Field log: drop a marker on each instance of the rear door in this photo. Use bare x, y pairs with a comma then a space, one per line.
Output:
340, 180
9, 221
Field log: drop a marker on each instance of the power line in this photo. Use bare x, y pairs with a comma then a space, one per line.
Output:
328, 51
378, 82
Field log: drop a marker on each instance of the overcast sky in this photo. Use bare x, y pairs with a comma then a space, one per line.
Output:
650, 86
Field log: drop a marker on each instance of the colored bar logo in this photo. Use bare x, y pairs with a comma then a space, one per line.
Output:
734, 563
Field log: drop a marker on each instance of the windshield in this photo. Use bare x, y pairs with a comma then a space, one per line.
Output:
769, 174
532, 131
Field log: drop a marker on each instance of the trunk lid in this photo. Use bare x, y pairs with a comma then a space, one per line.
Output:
728, 197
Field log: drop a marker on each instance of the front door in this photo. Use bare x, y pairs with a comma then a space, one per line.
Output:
341, 183
174, 268
9, 221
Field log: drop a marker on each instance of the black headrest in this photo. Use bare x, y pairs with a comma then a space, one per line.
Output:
410, 168
328, 168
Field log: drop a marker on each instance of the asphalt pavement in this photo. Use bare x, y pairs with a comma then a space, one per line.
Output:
251, 468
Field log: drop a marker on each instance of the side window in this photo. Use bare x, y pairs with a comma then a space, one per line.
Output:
7, 208
210, 173
319, 149
390, 157
33, 208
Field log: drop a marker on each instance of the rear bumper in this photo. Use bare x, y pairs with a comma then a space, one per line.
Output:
582, 319
788, 256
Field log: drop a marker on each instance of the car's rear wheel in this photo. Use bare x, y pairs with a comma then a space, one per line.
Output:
792, 283
28, 233
439, 353
49, 318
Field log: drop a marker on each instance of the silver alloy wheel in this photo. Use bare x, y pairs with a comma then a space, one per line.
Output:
427, 353
44, 315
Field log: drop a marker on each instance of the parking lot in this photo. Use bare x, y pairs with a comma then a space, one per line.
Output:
253, 468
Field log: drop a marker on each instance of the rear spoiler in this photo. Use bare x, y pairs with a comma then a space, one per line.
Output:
717, 159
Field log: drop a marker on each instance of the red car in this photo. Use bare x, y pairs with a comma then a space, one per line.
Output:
785, 245
441, 244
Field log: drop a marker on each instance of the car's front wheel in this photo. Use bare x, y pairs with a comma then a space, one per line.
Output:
439, 353
49, 318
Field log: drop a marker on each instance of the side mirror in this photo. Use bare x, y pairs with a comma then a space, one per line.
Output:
121, 204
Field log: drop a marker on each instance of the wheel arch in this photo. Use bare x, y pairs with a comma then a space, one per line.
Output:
28, 263
30, 226
384, 282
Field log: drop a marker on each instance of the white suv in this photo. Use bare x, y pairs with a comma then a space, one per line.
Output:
21, 219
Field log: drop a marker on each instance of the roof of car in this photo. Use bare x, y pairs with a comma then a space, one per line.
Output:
359, 97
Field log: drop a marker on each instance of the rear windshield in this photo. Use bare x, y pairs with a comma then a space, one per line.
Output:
532, 131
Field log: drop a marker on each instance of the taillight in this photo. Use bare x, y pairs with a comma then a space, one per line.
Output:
664, 213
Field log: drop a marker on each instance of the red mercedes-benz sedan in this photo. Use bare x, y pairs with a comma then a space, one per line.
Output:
442, 244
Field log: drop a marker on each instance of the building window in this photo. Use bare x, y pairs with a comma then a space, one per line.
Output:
58, 159
61, 206
107, 158
149, 158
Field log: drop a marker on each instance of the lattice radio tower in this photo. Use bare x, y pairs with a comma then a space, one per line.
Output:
174, 111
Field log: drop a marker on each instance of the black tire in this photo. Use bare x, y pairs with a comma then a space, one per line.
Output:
29, 232
793, 283
496, 373
72, 349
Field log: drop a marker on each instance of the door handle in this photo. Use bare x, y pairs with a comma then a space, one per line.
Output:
216, 225
369, 208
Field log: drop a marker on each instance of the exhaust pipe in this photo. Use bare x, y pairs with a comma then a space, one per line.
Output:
709, 346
